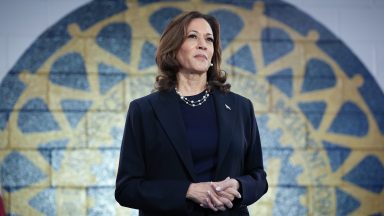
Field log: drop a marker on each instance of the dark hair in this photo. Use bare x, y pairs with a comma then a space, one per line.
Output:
170, 43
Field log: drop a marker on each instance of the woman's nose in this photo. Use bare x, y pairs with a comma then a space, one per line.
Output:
202, 44
203, 47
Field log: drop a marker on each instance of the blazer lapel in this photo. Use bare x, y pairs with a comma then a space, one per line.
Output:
225, 111
167, 110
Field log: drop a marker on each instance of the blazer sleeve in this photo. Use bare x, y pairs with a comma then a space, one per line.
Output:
133, 188
253, 183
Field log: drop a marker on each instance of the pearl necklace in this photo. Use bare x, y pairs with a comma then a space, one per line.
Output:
193, 103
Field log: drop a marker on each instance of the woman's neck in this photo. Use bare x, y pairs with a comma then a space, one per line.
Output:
191, 84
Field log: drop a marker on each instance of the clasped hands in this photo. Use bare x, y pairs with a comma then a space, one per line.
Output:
214, 195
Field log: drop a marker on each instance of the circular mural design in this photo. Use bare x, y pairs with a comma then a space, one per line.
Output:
64, 104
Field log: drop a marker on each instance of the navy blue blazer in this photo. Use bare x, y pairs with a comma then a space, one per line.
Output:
156, 167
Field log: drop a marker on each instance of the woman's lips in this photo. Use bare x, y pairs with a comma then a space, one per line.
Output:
200, 56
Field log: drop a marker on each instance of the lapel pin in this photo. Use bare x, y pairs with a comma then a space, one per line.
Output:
226, 106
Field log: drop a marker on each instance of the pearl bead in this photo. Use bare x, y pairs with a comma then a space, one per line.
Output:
192, 102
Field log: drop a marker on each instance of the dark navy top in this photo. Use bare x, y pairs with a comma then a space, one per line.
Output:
202, 135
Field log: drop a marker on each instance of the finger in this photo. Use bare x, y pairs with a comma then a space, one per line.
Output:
204, 205
216, 186
226, 195
215, 201
233, 192
223, 185
221, 208
226, 202
210, 204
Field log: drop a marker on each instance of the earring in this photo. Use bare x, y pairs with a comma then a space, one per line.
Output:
211, 64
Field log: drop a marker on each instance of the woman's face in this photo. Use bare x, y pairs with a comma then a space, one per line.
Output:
196, 52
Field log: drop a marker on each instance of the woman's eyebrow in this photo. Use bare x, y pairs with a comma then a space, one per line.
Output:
210, 34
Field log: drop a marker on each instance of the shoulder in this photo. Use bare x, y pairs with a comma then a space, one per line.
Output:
152, 99
235, 101
237, 98
145, 99
142, 103
240, 98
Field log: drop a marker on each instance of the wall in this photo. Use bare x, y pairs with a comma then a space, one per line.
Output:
355, 22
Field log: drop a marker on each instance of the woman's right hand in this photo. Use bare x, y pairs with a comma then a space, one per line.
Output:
228, 188
205, 195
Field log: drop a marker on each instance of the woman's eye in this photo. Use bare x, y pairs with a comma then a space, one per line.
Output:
210, 40
192, 36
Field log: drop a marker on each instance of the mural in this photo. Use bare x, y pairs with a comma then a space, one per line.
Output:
63, 108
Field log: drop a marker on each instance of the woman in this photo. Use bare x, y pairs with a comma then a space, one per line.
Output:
192, 147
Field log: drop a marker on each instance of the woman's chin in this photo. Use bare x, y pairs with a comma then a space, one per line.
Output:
196, 70
200, 71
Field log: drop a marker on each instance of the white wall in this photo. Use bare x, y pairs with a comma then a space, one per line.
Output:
22, 21
359, 23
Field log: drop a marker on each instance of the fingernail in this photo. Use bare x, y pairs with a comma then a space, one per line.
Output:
218, 188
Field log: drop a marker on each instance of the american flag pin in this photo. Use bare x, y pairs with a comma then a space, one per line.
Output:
226, 106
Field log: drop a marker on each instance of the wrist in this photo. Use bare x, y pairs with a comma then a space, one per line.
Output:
189, 191
236, 184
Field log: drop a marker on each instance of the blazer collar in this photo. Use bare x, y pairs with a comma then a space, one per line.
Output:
168, 111
225, 111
